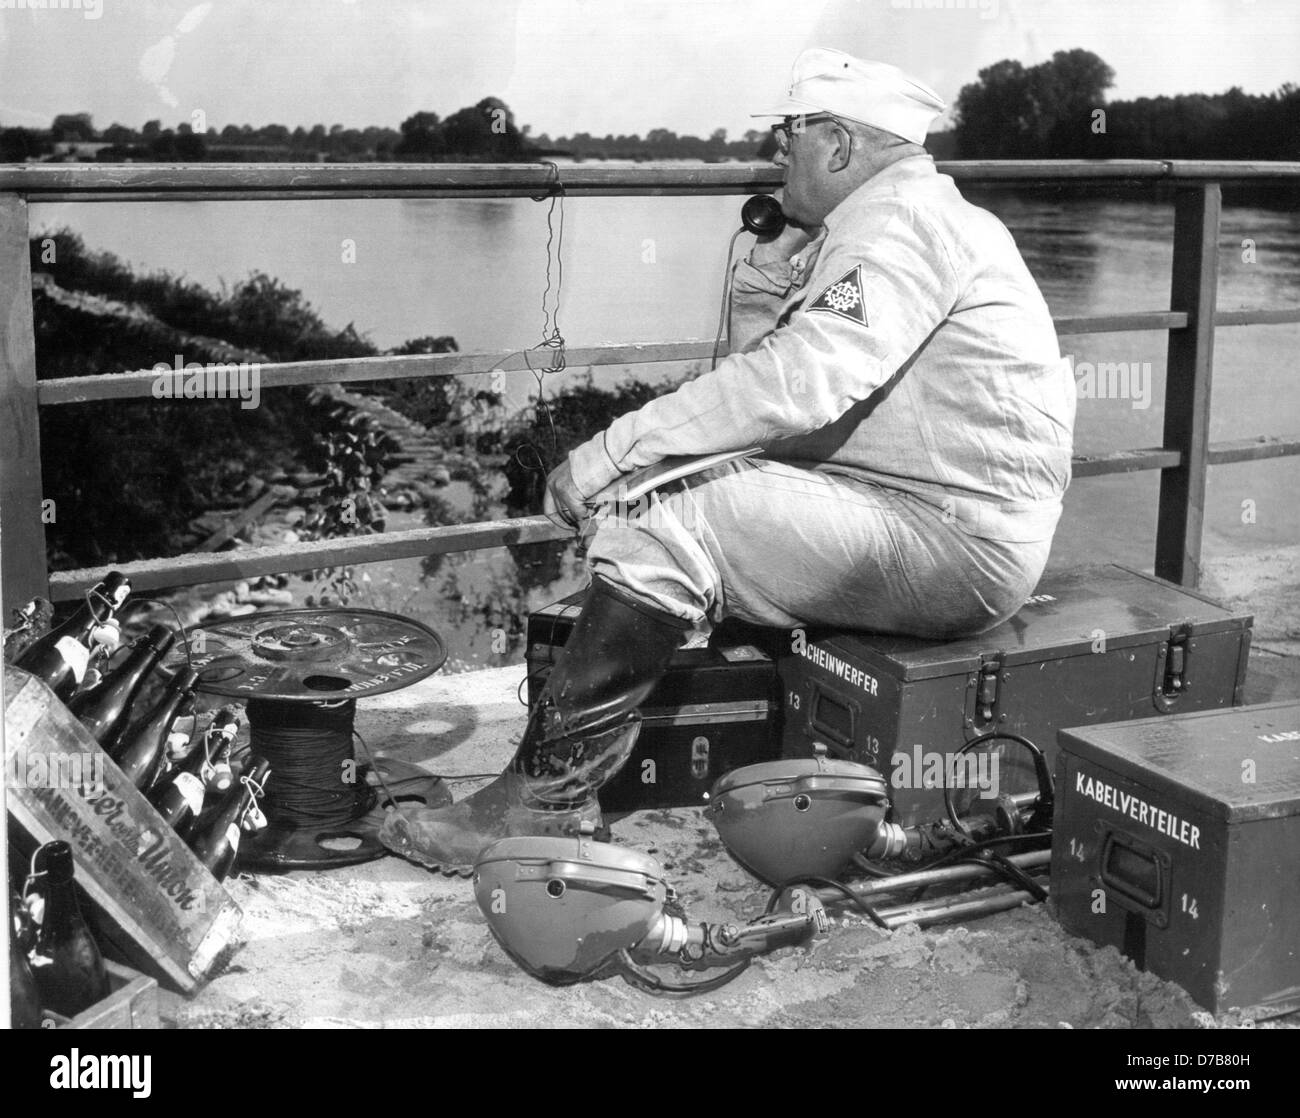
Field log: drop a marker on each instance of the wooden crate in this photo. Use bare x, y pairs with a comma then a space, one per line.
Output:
132, 1004
159, 906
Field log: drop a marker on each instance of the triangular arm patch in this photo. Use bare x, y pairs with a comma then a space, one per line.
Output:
844, 297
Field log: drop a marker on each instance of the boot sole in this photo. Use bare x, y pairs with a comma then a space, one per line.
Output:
602, 834
435, 865
464, 873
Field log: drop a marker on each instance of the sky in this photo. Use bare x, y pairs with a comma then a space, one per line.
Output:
599, 66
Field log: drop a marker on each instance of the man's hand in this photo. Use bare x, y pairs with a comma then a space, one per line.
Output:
562, 496
779, 248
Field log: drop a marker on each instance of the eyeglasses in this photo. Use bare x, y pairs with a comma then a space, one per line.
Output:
796, 125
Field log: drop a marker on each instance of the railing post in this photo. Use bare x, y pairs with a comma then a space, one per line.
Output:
1188, 379
22, 532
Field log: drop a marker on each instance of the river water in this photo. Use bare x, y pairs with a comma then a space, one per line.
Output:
650, 269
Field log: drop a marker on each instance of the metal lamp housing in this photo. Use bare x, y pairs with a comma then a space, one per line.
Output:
796, 818
563, 908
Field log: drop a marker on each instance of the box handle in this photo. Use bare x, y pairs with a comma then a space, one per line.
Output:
835, 719
700, 757
1135, 872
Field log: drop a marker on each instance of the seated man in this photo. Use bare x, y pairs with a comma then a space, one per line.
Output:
896, 362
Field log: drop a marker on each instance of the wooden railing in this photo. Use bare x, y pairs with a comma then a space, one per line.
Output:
1190, 319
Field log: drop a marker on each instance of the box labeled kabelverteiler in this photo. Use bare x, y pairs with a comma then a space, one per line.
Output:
1177, 840
1098, 644
715, 709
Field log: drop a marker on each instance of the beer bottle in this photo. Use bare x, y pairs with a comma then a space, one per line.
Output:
67, 964
61, 656
178, 796
24, 997
104, 710
220, 739
141, 752
217, 844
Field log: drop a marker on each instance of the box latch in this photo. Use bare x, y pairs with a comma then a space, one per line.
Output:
1171, 666
984, 689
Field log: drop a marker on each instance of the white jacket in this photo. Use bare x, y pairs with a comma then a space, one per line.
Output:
908, 346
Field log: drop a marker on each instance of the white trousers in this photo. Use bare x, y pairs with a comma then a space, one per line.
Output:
780, 545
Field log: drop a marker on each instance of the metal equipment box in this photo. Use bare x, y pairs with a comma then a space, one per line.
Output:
1098, 644
715, 709
1177, 840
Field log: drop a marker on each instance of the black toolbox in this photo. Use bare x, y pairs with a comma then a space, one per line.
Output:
1177, 840
1098, 644
715, 709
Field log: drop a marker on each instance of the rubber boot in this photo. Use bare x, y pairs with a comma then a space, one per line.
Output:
579, 734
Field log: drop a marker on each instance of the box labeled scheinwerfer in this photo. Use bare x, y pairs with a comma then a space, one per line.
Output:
1094, 645
1177, 840
715, 709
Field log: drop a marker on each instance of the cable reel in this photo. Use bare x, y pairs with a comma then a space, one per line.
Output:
301, 672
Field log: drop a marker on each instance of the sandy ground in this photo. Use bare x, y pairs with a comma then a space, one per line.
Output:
389, 944
1268, 584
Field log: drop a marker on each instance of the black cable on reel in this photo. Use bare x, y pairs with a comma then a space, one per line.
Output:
315, 781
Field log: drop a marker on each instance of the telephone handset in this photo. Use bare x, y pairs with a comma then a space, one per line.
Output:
762, 216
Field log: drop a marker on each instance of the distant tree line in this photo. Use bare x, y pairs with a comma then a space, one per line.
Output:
485, 132
1058, 109
662, 143
237, 143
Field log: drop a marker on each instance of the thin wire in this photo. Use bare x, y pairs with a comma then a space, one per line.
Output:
180, 626
27, 621
88, 597
528, 678
374, 768
1043, 776
32, 872
958, 852
868, 867
826, 883
259, 792
545, 408
642, 978
1008, 871
552, 338
726, 293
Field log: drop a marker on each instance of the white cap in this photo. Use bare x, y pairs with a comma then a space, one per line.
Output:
875, 93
